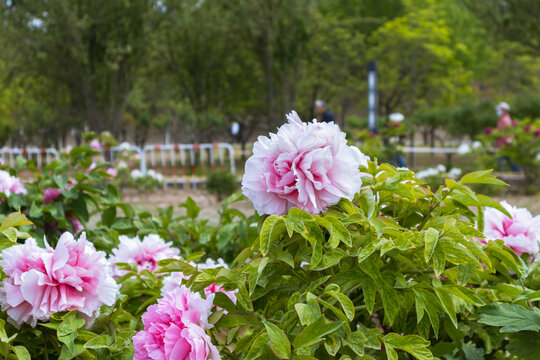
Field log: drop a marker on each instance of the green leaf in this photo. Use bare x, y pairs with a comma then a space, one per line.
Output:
257, 346
279, 343
21, 352
35, 211
369, 290
482, 177
98, 342
314, 236
448, 305
13, 220
70, 323
346, 303
525, 345
367, 202
413, 344
271, 231
431, 237
313, 333
307, 313
243, 297
510, 317
484, 200
192, 210
338, 231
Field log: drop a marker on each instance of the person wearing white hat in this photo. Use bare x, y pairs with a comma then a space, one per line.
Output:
503, 113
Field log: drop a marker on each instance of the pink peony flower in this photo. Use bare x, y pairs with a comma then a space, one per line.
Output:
514, 123
309, 166
10, 184
488, 130
91, 167
521, 233
95, 144
112, 172
145, 253
174, 329
537, 132
527, 127
50, 195
76, 225
40, 282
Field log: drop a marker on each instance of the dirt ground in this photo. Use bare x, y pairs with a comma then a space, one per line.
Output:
210, 206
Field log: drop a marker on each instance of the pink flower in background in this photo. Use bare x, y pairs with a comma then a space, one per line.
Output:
309, 166
514, 123
10, 184
527, 127
95, 144
40, 282
76, 225
488, 130
50, 195
521, 233
145, 253
112, 172
174, 329
91, 167
212, 289
537, 132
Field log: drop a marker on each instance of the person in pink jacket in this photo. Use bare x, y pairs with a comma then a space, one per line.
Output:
504, 120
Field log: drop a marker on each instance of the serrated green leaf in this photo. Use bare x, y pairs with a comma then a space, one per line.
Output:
509, 317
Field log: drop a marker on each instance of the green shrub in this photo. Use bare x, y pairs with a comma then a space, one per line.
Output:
221, 183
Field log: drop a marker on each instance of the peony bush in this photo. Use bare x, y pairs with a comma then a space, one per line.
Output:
347, 258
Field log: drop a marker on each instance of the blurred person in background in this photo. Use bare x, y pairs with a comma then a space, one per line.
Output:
323, 114
503, 121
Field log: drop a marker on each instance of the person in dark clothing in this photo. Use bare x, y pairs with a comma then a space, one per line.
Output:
322, 111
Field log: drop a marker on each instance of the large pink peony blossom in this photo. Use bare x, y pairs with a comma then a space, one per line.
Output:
10, 184
309, 166
50, 195
145, 253
521, 233
174, 329
42, 281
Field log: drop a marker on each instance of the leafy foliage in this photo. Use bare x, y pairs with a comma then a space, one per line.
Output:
398, 259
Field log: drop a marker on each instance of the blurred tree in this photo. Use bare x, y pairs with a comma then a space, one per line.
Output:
89, 48
418, 62
511, 20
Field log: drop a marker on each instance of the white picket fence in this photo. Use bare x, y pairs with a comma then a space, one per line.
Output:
183, 164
